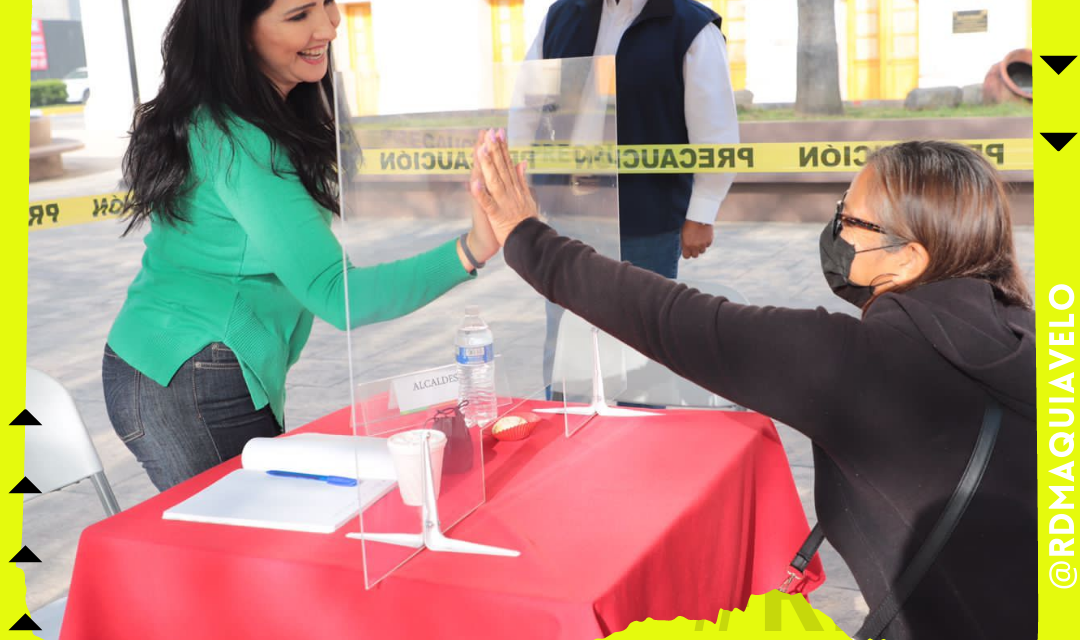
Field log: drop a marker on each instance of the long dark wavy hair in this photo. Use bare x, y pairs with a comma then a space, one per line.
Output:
208, 63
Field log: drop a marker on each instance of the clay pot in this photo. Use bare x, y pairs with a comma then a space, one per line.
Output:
1010, 79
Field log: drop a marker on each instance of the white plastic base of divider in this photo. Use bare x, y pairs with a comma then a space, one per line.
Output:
431, 536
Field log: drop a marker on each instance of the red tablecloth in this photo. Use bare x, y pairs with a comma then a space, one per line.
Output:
659, 517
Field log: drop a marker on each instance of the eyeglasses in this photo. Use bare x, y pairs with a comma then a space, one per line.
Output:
842, 219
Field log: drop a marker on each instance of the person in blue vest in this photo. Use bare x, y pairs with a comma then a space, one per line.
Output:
673, 87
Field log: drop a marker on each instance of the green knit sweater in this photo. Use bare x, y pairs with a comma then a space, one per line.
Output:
252, 264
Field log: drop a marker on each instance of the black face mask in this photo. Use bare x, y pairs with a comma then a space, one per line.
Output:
837, 255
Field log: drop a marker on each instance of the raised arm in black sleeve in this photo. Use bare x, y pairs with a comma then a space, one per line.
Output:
787, 363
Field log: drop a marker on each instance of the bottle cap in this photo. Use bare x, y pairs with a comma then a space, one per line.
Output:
472, 310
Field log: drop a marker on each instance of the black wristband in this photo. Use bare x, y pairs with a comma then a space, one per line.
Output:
468, 254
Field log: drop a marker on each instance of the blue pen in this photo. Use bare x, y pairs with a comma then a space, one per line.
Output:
334, 480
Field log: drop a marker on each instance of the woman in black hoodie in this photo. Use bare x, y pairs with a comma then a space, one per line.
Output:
893, 402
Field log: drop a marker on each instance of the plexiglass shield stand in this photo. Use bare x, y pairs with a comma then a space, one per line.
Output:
599, 405
588, 123
439, 486
432, 537
404, 198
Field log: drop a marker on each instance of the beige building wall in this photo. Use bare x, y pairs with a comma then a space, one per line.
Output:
424, 55
947, 58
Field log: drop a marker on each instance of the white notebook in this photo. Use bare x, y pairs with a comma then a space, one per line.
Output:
250, 497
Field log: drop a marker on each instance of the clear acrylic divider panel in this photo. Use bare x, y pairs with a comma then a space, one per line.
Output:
389, 407
566, 111
713, 273
404, 191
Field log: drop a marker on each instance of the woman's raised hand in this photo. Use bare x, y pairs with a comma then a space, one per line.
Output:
501, 192
482, 241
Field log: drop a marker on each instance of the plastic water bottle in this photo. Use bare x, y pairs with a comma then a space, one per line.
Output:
475, 355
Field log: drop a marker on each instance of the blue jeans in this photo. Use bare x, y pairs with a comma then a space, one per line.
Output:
658, 253
203, 417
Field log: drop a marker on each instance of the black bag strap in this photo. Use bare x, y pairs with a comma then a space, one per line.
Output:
924, 558
803, 556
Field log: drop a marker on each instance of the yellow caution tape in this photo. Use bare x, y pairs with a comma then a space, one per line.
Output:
1008, 154
64, 212
765, 157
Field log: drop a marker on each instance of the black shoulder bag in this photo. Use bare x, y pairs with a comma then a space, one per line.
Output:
920, 563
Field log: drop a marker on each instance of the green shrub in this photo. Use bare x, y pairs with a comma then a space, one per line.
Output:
46, 92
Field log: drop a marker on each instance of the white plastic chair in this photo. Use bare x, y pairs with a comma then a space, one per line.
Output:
646, 381
59, 453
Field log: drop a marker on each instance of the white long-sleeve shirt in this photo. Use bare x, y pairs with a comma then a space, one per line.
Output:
710, 102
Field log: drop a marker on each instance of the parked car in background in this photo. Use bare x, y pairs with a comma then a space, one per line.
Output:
78, 85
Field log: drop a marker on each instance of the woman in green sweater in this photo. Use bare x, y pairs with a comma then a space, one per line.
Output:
233, 164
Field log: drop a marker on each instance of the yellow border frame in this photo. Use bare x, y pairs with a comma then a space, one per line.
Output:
13, 254
1052, 28
1053, 31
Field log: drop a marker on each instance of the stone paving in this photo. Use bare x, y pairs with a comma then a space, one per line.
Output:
78, 277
